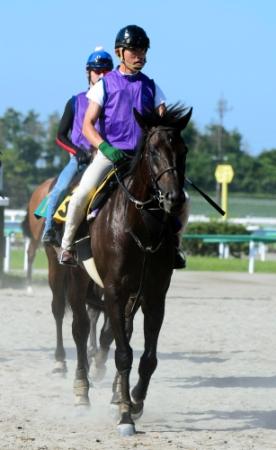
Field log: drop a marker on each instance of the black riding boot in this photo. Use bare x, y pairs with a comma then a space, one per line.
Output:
179, 255
51, 238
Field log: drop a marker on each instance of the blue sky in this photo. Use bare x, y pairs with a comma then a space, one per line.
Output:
201, 50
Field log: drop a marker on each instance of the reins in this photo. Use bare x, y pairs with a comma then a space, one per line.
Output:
156, 198
138, 203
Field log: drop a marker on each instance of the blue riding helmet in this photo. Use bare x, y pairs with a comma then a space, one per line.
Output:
99, 60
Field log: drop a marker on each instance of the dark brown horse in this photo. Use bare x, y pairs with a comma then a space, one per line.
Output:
60, 280
132, 241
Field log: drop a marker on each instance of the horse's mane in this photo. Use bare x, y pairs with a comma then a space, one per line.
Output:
169, 119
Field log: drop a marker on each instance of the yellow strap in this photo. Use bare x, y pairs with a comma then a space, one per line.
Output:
61, 212
101, 186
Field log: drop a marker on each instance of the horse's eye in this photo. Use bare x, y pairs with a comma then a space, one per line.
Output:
173, 139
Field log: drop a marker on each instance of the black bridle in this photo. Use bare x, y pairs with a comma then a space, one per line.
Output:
158, 195
153, 204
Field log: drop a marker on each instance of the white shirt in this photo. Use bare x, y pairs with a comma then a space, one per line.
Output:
96, 94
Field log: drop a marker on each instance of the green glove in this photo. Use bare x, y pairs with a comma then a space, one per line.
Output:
112, 153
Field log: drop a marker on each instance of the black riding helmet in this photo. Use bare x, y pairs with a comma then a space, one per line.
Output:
132, 36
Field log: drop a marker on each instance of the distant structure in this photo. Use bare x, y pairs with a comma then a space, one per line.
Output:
4, 201
222, 109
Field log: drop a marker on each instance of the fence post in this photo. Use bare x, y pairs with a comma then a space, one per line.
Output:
2, 242
221, 250
26, 245
251, 261
7, 259
262, 251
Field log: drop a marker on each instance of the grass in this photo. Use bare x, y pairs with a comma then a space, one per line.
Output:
17, 259
239, 205
200, 263
196, 263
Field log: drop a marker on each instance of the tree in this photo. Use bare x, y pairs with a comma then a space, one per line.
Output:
22, 143
52, 158
30, 155
266, 179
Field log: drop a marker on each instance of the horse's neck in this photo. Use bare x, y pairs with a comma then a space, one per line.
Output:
149, 219
140, 183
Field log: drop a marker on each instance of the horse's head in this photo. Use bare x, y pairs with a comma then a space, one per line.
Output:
164, 153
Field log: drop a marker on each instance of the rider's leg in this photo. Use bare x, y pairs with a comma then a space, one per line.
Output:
63, 182
94, 173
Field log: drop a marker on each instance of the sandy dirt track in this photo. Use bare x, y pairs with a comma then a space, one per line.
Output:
214, 387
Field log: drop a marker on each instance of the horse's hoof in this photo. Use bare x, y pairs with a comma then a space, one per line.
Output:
60, 367
126, 429
137, 410
81, 389
98, 373
82, 401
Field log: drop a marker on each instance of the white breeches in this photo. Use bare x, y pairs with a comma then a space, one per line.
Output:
90, 181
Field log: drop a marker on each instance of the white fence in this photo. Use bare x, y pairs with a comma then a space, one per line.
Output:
251, 223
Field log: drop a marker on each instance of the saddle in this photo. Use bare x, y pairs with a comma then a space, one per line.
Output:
96, 201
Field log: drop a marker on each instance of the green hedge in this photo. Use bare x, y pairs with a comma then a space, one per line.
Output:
197, 247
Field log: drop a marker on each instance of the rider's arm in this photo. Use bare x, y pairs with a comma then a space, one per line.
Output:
91, 116
65, 128
95, 96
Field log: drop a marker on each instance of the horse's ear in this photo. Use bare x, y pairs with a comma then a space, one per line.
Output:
183, 122
140, 119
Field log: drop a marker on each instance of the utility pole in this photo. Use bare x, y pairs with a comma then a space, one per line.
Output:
222, 109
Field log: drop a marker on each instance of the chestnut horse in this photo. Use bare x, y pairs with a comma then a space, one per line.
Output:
132, 242
59, 278
33, 228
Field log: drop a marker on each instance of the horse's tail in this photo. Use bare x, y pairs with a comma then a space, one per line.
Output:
25, 225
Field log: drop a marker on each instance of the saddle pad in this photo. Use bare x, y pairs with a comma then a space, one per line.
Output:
61, 212
41, 210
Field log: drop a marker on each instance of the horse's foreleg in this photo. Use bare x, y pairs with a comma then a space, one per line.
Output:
117, 385
58, 309
31, 252
80, 331
100, 358
123, 361
56, 277
153, 318
94, 315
